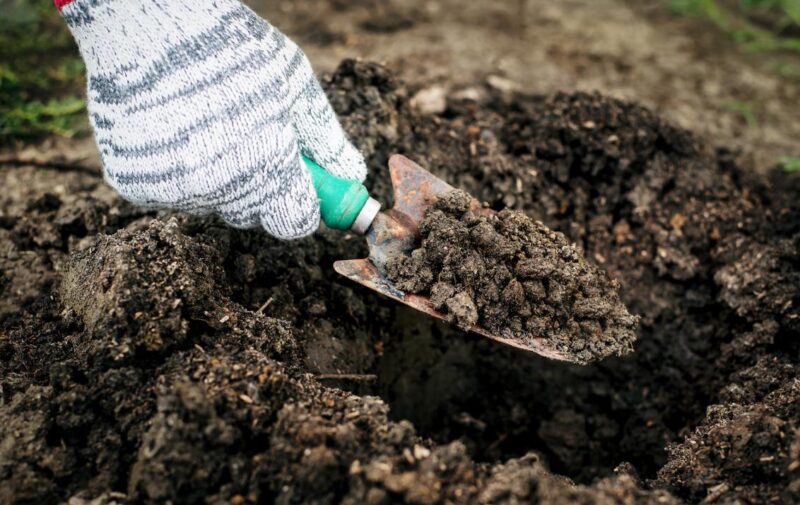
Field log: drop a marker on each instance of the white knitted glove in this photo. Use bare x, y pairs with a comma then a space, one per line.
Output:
202, 106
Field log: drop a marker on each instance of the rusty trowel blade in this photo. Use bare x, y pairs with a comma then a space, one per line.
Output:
394, 232
414, 188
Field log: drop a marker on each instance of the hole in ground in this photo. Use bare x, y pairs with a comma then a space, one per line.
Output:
503, 403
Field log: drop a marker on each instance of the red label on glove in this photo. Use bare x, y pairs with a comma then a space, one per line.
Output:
61, 3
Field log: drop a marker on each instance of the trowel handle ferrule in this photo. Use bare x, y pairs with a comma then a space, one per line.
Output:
344, 204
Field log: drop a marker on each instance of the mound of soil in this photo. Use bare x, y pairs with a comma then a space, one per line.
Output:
516, 278
233, 384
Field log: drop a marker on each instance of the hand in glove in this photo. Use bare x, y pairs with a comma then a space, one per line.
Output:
204, 107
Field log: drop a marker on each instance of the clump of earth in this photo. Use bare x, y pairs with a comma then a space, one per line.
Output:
150, 358
516, 278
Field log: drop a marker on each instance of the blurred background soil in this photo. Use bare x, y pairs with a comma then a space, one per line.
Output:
738, 87
682, 67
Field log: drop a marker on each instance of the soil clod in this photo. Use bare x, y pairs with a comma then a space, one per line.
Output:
515, 277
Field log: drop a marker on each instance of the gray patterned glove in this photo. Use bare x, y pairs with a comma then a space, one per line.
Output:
204, 107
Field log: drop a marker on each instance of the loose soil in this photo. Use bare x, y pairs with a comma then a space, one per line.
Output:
515, 277
147, 358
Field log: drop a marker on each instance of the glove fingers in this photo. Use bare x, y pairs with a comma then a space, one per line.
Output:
319, 133
290, 208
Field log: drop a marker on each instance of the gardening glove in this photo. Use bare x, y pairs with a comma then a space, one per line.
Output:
204, 107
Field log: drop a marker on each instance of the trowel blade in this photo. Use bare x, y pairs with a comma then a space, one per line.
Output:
395, 231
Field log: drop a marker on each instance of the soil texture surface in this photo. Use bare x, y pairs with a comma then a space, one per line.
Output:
516, 278
153, 358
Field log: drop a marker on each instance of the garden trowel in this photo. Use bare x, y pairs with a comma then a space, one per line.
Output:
346, 205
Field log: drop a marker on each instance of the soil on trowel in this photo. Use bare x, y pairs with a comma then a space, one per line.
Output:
516, 278
150, 358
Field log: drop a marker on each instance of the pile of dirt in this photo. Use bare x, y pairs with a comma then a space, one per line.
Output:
516, 278
220, 389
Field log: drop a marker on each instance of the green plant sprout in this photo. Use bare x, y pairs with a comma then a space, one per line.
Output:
757, 25
789, 164
40, 74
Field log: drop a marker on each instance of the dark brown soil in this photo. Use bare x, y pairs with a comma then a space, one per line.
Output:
515, 277
146, 359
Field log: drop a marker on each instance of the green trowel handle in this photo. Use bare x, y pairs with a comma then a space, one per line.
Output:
340, 200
